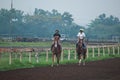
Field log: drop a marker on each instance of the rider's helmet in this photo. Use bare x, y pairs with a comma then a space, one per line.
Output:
82, 30
57, 31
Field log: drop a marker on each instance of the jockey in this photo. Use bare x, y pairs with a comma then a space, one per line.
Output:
81, 35
56, 34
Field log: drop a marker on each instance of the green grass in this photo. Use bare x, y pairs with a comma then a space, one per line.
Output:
33, 44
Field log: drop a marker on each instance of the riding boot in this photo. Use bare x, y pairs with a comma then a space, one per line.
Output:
76, 45
84, 47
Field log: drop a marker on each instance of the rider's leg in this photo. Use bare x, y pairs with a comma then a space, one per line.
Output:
77, 44
84, 46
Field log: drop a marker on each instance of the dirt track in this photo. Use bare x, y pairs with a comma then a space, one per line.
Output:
96, 70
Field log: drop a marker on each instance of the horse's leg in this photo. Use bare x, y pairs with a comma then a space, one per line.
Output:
83, 59
79, 61
84, 56
52, 60
79, 57
58, 58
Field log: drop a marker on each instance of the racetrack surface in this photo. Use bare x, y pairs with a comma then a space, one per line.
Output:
96, 70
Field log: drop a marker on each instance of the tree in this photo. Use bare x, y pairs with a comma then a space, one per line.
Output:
67, 18
104, 27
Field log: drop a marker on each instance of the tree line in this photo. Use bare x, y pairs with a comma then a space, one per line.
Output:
104, 27
43, 23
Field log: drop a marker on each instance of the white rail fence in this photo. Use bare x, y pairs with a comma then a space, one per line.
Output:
67, 53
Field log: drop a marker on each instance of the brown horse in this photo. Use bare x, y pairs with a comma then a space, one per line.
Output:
81, 52
56, 51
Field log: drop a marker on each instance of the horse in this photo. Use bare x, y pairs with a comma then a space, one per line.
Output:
81, 52
56, 50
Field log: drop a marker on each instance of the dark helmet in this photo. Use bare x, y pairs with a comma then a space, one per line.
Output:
57, 30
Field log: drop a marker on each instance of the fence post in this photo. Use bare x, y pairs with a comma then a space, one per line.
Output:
99, 51
108, 50
113, 50
103, 51
87, 54
118, 50
68, 54
36, 56
30, 57
93, 55
75, 55
10, 57
46, 55
20, 56
62, 55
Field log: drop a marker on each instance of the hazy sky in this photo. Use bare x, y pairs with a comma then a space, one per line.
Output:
83, 11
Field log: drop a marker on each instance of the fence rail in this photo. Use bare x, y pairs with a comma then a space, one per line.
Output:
67, 53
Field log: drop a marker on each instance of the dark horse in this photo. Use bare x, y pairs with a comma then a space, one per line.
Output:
56, 51
81, 52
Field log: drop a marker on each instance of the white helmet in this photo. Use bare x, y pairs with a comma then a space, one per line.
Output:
81, 29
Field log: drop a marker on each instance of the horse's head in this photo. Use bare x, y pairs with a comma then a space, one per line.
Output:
56, 38
80, 43
56, 48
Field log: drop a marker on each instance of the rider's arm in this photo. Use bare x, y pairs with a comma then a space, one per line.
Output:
78, 36
84, 36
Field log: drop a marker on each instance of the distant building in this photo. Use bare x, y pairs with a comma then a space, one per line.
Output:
63, 37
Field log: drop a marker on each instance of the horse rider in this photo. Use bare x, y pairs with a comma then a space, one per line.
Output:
81, 35
56, 34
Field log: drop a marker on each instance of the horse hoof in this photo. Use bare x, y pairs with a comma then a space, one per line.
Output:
83, 64
79, 64
57, 64
52, 65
